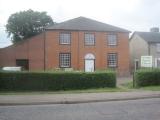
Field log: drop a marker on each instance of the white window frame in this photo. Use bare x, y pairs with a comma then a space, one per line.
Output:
65, 38
112, 60
112, 39
65, 60
89, 39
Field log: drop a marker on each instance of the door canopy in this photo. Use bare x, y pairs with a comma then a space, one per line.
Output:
89, 56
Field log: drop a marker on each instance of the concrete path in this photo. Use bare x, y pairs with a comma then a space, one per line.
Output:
75, 98
122, 80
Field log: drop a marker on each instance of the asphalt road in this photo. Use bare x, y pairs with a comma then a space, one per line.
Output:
146, 109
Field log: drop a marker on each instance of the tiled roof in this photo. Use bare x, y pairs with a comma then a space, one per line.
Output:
82, 23
149, 36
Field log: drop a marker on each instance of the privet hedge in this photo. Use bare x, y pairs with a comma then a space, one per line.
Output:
38, 81
147, 77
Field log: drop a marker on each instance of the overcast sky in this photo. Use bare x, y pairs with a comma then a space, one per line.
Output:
134, 15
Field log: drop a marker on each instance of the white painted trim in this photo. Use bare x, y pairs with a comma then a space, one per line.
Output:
89, 56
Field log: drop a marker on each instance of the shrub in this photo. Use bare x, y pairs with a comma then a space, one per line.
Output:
147, 77
37, 81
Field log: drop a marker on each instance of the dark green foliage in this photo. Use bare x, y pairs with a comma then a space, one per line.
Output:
39, 81
147, 77
25, 24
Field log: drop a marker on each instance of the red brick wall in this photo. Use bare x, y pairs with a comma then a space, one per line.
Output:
78, 50
7, 56
33, 49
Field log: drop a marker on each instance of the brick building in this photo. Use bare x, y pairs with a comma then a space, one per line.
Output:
80, 44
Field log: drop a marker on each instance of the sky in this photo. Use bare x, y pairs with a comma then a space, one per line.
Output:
133, 15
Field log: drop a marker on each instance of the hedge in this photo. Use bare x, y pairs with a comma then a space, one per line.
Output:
147, 77
41, 81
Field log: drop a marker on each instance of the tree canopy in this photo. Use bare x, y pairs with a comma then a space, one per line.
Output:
25, 24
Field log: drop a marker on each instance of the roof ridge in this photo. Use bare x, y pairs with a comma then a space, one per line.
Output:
145, 32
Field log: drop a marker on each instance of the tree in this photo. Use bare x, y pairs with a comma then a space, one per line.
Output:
25, 24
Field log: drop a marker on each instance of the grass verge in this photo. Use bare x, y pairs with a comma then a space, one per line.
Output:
96, 90
129, 86
151, 88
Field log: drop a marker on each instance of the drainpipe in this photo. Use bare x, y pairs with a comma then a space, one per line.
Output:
149, 50
44, 50
78, 52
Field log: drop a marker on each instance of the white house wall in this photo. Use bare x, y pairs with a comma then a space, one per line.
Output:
154, 53
138, 47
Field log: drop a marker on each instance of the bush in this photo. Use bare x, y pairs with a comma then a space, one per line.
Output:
37, 81
147, 77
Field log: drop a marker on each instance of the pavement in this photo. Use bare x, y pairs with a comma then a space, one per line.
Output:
38, 99
144, 109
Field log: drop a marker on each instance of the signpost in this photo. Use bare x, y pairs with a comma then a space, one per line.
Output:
136, 65
146, 61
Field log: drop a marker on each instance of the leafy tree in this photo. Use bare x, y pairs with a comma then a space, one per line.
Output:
25, 24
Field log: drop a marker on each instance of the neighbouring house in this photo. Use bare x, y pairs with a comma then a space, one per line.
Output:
145, 44
79, 44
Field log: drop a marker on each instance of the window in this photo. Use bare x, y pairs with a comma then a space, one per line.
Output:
89, 39
112, 39
65, 60
65, 38
158, 47
24, 63
112, 60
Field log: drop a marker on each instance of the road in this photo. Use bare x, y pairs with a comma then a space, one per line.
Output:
146, 109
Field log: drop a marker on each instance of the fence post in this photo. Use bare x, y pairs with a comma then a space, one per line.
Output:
133, 79
136, 65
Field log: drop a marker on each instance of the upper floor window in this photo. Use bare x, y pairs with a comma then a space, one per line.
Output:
112, 60
65, 60
65, 38
112, 39
158, 47
89, 39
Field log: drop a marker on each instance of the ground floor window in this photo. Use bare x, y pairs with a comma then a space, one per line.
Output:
65, 60
24, 63
112, 60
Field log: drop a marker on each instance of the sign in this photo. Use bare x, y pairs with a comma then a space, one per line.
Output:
146, 61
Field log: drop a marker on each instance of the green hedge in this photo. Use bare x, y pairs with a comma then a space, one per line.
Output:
148, 77
40, 81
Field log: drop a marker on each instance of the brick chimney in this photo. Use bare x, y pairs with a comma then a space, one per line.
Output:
154, 29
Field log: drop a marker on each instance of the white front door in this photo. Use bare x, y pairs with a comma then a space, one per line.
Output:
89, 65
